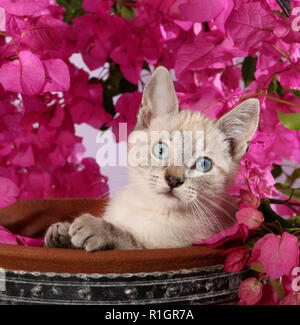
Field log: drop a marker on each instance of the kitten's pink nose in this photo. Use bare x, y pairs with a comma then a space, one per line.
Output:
174, 181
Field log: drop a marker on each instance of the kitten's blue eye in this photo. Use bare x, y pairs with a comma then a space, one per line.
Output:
203, 164
161, 150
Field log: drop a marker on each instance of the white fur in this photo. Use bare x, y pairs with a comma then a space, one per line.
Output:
143, 209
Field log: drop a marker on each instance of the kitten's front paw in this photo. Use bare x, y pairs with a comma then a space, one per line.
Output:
57, 236
90, 233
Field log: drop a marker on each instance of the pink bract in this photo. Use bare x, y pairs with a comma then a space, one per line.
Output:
201, 11
249, 216
236, 258
250, 291
9, 191
23, 8
292, 298
25, 75
278, 255
6, 237
236, 232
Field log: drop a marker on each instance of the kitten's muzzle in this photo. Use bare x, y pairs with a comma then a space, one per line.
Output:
174, 176
174, 181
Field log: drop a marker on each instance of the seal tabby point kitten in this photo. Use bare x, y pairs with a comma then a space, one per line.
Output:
166, 205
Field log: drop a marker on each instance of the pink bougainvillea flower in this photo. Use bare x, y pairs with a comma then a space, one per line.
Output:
278, 255
56, 75
2, 20
30, 76
221, 19
85, 100
26, 75
96, 41
6, 237
23, 8
57, 118
201, 11
97, 5
250, 216
127, 106
236, 258
269, 296
83, 111
248, 199
291, 282
9, 192
231, 77
250, 291
191, 52
293, 298
202, 51
43, 33
26, 241
95, 50
83, 180
24, 157
250, 23
130, 68
237, 231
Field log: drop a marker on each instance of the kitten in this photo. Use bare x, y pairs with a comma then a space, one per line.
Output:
165, 204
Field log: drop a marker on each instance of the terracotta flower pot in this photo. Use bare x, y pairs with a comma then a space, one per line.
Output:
47, 275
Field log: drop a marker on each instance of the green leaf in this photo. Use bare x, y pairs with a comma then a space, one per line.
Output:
104, 127
291, 178
278, 287
275, 87
281, 14
276, 171
127, 12
248, 69
270, 215
257, 267
272, 86
293, 193
73, 9
252, 241
146, 66
289, 120
125, 86
295, 92
295, 220
115, 85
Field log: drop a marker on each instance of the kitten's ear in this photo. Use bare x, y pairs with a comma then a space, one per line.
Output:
239, 126
159, 98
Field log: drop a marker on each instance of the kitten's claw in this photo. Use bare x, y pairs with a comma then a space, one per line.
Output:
90, 233
57, 236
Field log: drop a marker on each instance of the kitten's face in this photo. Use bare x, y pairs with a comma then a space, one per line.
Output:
180, 157
181, 167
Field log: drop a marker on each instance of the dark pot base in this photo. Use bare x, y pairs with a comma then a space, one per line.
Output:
205, 285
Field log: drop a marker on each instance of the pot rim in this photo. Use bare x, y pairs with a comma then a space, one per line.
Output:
42, 259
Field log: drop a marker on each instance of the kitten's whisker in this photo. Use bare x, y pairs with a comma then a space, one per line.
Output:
215, 204
227, 201
201, 213
214, 218
191, 209
196, 213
